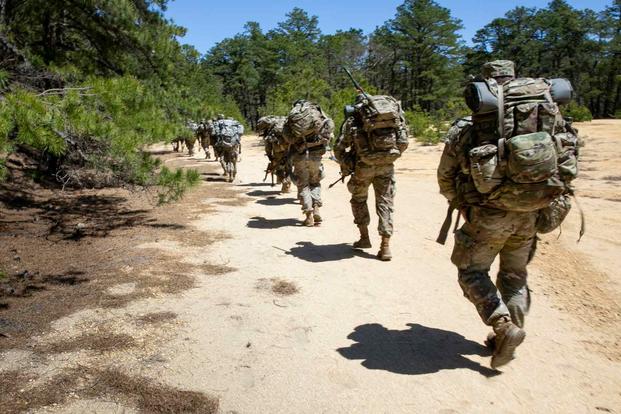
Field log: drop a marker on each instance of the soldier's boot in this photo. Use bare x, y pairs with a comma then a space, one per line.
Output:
310, 221
286, 187
490, 341
316, 215
384, 253
365, 241
508, 337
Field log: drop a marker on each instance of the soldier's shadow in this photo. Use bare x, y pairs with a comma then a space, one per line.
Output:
262, 193
275, 201
263, 223
317, 253
415, 351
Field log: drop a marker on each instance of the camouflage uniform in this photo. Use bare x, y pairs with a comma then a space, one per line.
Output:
307, 166
228, 133
204, 135
488, 232
276, 149
380, 176
496, 227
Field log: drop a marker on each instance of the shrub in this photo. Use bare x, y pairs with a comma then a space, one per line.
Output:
425, 128
579, 113
96, 133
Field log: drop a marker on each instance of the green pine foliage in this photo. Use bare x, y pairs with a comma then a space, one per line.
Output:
91, 85
579, 113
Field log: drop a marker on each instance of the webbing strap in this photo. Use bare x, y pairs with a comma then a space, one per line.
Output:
582, 219
501, 111
446, 226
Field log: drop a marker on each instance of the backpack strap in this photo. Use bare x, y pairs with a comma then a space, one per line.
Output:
453, 205
501, 111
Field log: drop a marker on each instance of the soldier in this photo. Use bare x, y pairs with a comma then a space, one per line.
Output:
228, 133
190, 139
501, 197
374, 136
276, 149
308, 130
203, 133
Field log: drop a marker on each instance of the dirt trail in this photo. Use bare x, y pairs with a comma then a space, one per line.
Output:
362, 336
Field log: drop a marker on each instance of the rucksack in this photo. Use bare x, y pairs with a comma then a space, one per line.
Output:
382, 123
228, 132
528, 158
380, 112
305, 121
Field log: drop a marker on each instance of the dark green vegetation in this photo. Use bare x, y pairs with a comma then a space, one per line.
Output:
419, 57
86, 85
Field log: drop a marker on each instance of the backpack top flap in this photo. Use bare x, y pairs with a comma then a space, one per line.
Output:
305, 119
527, 90
380, 111
229, 128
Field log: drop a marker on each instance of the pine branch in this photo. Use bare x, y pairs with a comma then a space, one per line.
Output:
62, 91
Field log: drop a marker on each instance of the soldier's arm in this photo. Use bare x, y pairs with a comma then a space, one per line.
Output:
327, 131
343, 142
403, 137
448, 169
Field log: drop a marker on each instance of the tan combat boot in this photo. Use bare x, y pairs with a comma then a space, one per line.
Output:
309, 222
365, 241
384, 253
508, 337
317, 215
286, 187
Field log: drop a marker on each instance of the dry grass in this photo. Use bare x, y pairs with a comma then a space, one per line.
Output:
278, 286
100, 342
139, 392
156, 318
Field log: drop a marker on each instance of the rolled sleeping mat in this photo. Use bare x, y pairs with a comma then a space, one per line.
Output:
480, 98
561, 90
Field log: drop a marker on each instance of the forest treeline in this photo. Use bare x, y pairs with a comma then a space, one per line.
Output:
419, 57
87, 85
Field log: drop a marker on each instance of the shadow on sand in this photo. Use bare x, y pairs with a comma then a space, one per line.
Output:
263, 223
415, 351
314, 253
274, 201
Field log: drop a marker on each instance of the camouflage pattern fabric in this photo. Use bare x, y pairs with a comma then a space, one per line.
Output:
383, 180
228, 161
381, 176
486, 234
307, 176
189, 143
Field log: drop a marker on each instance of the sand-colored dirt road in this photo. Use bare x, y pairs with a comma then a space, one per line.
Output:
371, 337
364, 336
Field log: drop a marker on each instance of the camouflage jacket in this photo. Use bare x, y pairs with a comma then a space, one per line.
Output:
454, 161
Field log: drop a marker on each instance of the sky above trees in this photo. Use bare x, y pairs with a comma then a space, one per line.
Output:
209, 23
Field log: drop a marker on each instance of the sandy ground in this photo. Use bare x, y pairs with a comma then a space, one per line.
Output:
364, 336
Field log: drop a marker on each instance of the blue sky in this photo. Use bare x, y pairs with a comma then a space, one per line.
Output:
209, 21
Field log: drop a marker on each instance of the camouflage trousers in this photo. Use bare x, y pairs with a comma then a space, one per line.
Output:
383, 179
205, 143
307, 176
487, 234
189, 143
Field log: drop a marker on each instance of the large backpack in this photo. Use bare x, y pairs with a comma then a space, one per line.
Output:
380, 112
228, 132
305, 121
523, 155
382, 123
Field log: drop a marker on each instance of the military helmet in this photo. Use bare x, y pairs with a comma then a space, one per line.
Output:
498, 68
